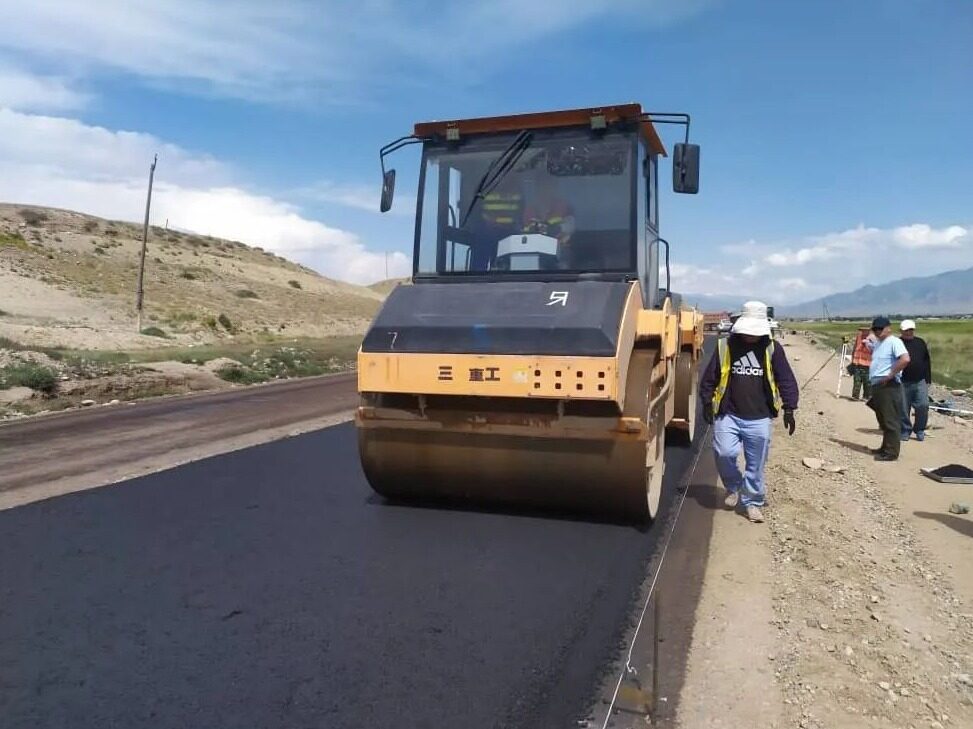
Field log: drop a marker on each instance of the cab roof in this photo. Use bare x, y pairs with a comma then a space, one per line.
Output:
547, 120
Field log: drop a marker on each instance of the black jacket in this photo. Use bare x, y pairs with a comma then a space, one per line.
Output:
920, 364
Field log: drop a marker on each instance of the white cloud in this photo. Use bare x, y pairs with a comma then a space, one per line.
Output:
296, 48
357, 196
921, 235
25, 91
794, 271
65, 163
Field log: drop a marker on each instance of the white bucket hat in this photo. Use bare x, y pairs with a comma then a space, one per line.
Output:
907, 324
753, 320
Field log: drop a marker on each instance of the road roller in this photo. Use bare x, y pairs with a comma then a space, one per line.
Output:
536, 359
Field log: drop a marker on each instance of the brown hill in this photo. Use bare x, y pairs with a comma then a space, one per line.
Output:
68, 280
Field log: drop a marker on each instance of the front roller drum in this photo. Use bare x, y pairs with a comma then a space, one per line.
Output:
603, 477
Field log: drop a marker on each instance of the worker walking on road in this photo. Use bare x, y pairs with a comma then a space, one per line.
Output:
916, 379
889, 358
747, 382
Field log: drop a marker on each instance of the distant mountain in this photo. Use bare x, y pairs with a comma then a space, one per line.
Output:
945, 293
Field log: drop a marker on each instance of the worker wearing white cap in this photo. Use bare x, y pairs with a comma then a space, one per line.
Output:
916, 378
747, 382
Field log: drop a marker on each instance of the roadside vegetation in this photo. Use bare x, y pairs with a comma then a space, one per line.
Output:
950, 343
29, 374
63, 377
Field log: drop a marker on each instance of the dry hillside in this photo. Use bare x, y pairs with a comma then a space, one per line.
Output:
68, 280
384, 288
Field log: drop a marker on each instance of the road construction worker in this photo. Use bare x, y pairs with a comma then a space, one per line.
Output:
861, 358
889, 358
747, 382
499, 215
916, 379
547, 212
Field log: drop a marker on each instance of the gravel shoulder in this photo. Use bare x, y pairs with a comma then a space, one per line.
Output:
853, 605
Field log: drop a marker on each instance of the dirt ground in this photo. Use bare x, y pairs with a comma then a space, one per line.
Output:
852, 606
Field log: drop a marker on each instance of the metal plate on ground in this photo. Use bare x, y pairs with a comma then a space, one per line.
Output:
951, 473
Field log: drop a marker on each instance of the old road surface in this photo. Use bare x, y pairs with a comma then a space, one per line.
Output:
269, 587
71, 450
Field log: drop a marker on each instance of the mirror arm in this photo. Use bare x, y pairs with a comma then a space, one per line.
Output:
397, 145
665, 117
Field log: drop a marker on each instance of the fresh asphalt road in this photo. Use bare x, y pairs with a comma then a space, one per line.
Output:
269, 587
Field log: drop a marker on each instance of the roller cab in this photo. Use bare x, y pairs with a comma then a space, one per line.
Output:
533, 360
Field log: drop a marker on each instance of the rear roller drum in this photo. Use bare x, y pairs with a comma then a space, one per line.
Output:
686, 399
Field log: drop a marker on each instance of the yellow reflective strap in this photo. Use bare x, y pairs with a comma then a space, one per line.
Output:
724, 357
771, 380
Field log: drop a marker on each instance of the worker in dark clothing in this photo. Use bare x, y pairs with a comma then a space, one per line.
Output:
747, 382
916, 379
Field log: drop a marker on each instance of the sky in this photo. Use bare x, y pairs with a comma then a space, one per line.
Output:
836, 137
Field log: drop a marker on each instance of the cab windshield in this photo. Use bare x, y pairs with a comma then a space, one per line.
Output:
563, 202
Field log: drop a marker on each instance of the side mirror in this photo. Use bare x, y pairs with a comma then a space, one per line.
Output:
685, 168
388, 190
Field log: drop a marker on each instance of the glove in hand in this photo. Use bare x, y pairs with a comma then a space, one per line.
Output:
789, 422
708, 414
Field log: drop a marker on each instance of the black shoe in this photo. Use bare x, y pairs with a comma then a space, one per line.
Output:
885, 457
875, 451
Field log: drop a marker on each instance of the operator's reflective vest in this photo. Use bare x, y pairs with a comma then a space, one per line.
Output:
502, 208
723, 349
554, 214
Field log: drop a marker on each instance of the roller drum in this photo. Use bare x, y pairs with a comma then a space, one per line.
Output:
606, 477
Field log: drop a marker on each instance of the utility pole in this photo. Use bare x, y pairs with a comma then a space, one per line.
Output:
140, 291
386, 265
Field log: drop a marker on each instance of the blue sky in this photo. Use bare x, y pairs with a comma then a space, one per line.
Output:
836, 143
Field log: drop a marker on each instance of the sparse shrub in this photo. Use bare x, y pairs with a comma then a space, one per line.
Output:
225, 322
90, 226
209, 321
2, 312
57, 239
157, 259
246, 294
172, 238
188, 275
111, 232
155, 332
33, 218
29, 374
101, 251
295, 284
240, 375
181, 317
13, 240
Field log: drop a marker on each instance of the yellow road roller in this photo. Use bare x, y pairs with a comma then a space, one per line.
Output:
535, 359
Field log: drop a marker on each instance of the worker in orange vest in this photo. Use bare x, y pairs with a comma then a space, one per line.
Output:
861, 358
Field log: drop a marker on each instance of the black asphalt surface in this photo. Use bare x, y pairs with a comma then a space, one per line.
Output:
271, 588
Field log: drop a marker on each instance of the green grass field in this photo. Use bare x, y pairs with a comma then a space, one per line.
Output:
950, 344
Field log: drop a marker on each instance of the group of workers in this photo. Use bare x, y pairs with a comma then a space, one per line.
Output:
748, 382
893, 375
